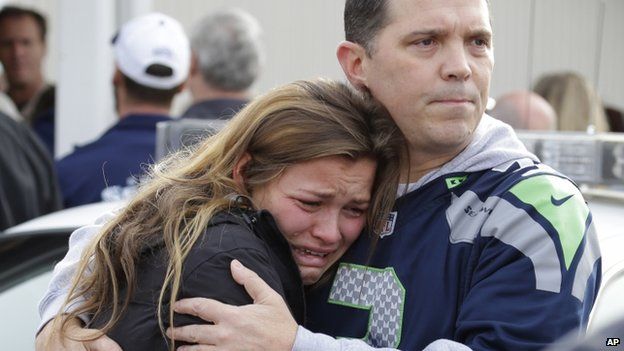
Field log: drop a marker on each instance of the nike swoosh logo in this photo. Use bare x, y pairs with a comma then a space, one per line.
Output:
559, 202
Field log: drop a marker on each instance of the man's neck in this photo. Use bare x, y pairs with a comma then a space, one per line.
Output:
22, 94
202, 92
142, 109
422, 162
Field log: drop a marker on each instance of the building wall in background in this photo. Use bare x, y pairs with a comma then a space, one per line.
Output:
300, 39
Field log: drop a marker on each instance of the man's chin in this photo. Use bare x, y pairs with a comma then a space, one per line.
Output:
450, 141
19, 81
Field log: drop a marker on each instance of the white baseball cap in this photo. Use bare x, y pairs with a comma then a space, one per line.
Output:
147, 42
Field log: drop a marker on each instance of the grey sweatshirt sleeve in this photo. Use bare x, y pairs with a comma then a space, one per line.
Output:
308, 341
64, 271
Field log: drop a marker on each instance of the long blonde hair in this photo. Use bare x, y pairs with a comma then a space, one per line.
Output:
297, 122
576, 102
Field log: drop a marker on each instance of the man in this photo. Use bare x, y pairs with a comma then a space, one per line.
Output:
487, 247
152, 60
525, 110
226, 62
28, 186
22, 49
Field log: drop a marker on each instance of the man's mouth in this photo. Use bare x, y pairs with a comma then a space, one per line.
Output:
453, 101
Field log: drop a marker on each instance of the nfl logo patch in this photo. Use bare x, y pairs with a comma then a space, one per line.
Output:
388, 227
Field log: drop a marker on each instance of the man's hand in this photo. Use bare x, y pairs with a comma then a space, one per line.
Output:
265, 325
49, 339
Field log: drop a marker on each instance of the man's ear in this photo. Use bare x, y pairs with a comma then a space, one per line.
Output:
238, 174
351, 57
194, 64
117, 77
194, 74
183, 85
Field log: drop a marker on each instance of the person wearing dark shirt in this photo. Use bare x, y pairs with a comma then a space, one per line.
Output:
152, 60
28, 185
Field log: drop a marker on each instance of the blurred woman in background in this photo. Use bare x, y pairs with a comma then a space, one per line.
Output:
578, 106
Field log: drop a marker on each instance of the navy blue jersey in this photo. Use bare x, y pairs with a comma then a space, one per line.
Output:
107, 168
501, 259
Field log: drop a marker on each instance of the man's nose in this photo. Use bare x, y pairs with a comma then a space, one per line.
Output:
18, 49
456, 65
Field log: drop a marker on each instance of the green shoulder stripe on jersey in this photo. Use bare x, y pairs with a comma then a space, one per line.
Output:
452, 182
561, 204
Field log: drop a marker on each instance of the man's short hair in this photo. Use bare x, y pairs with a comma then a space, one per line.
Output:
363, 19
228, 51
17, 12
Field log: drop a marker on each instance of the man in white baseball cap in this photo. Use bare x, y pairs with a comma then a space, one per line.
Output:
152, 61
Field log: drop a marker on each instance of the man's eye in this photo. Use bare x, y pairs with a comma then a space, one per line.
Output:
481, 42
425, 42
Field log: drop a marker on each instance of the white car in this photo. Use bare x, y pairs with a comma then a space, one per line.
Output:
28, 253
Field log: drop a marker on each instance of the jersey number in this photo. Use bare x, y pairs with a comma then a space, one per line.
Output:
376, 290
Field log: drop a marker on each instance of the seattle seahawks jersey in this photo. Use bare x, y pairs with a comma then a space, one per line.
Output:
500, 259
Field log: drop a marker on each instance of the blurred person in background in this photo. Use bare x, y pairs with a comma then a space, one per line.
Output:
525, 110
22, 50
152, 61
227, 59
28, 186
576, 102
